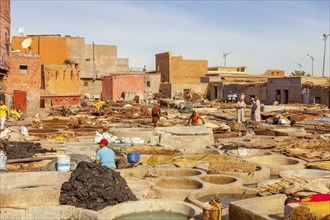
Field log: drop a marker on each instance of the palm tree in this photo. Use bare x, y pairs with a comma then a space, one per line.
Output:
298, 73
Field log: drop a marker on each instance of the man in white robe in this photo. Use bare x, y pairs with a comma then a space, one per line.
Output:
240, 105
257, 109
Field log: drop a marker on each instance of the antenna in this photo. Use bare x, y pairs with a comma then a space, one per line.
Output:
20, 30
26, 43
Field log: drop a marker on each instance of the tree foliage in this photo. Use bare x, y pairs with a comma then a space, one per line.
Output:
299, 73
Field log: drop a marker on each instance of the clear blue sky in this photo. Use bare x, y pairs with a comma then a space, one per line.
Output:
259, 34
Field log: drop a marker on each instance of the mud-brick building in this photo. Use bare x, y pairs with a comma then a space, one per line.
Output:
4, 43
307, 90
128, 86
95, 61
60, 85
180, 75
223, 81
151, 84
23, 83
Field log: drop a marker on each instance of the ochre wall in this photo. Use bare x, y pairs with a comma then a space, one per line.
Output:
187, 71
61, 80
177, 70
29, 82
4, 34
52, 49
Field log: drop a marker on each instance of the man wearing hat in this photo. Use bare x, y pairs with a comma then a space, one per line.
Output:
105, 156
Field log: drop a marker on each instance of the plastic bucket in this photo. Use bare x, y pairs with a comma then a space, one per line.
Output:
133, 157
63, 163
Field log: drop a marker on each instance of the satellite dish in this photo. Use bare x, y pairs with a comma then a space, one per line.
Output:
26, 43
20, 30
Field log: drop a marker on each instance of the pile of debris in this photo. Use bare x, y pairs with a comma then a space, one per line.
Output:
61, 111
92, 186
296, 187
20, 150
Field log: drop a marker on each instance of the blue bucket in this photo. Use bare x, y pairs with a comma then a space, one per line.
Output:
133, 157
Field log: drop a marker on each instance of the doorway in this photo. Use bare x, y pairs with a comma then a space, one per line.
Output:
19, 100
286, 97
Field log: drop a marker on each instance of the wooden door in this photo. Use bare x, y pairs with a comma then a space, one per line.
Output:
19, 100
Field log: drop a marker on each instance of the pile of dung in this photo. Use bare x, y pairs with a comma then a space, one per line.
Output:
93, 186
19, 150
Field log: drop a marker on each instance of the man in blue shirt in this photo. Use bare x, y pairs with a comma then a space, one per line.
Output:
105, 156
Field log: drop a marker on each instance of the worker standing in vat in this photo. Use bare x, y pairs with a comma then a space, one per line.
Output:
194, 118
3, 115
155, 114
105, 156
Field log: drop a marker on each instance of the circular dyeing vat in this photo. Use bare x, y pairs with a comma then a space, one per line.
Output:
262, 173
50, 212
278, 163
221, 180
226, 195
31, 189
177, 172
151, 210
175, 188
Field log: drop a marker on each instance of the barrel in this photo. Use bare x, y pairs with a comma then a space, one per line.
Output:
133, 157
63, 164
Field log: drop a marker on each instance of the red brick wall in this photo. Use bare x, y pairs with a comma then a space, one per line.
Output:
4, 33
114, 86
61, 100
29, 82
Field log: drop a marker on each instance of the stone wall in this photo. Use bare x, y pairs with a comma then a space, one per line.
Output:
91, 87
290, 85
151, 83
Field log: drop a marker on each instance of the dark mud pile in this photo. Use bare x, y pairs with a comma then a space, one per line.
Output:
19, 150
93, 186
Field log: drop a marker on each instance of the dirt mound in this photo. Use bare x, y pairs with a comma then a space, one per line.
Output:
19, 150
93, 186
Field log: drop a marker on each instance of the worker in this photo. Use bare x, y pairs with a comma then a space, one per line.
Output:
257, 109
105, 156
99, 105
253, 108
194, 118
240, 105
155, 114
3, 115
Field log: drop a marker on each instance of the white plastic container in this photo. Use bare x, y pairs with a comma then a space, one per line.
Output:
3, 160
63, 163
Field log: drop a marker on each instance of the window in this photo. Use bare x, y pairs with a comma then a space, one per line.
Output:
88, 60
23, 69
85, 83
148, 83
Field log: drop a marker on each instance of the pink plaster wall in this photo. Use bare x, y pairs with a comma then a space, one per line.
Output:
114, 86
